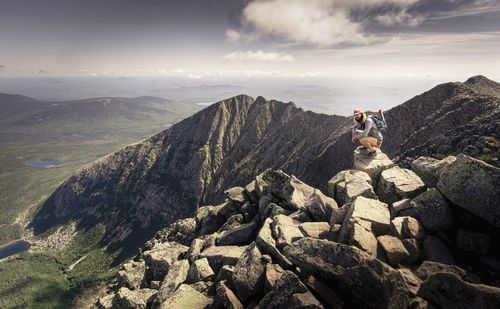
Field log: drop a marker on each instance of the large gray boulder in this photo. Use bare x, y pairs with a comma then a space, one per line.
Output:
219, 256
136, 299
320, 206
285, 231
131, 274
429, 169
349, 184
428, 268
473, 185
394, 249
225, 297
186, 298
287, 285
398, 183
369, 281
372, 165
267, 244
239, 235
447, 290
370, 210
436, 250
200, 270
161, 256
248, 276
177, 274
433, 210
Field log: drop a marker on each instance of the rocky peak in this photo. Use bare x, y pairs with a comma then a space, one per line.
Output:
399, 241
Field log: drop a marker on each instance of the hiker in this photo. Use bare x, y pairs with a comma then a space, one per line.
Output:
367, 129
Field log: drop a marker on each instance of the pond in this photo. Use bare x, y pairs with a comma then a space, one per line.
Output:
18, 246
41, 163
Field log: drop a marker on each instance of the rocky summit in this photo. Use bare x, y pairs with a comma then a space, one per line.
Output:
143, 187
381, 236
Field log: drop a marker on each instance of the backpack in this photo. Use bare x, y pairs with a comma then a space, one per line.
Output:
379, 122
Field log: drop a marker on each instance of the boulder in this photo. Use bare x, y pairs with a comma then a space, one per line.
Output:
349, 184
398, 183
428, 268
131, 274
268, 207
267, 244
401, 208
436, 250
447, 290
195, 249
370, 210
251, 193
225, 274
412, 282
324, 292
407, 227
232, 222
394, 249
433, 210
472, 241
186, 298
351, 271
176, 275
182, 231
315, 229
248, 276
413, 248
105, 302
429, 169
160, 257
372, 165
239, 235
338, 215
202, 286
287, 285
285, 230
249, 210
200, 270
219, 256
226, 297
273, 273
155, 284
236, 194
303, 301
136, 299
320, 206
211, 218
358, 232
288, 188
473, 185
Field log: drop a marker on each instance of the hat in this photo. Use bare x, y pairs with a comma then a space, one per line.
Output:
357, 112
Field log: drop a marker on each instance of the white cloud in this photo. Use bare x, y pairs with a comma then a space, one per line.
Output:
232, 35
322, 22
259, 55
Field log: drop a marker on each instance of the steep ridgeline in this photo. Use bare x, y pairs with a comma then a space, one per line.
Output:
147, 185
380, 237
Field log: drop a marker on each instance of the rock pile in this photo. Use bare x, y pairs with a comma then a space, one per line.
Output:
381, 237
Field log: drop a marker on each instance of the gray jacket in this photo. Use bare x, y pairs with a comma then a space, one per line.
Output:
370, 130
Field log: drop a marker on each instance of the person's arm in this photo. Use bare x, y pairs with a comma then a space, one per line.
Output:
354, 128
368, 126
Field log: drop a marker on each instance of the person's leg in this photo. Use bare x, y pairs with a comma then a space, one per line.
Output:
369, 142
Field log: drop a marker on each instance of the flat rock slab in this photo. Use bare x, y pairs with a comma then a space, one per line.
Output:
394, 249
186, 298
429, 169
473, 185
372, 211
372, 165
398, 183
433, 210
219, 256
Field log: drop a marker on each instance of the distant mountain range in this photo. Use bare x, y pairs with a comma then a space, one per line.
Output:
145, 186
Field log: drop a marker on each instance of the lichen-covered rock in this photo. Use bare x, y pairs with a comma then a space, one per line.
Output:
287, 285
447, 290
370, 282
131, 274
472, 241
225, 274
407, 227
436, 250
397, 183
325, 293
239, 235
394, 249
185, 297
272, 274
285, 230
200, 270
315, 229
412, 282
433, 210
320, 206
428, 268
226, 297
303, 301
429, 169
370, 210
267, 244
248, 276
232, 222
357, 232
473, 185
136, 299
236, 194
372, 165
160, 257
176, 275
349, 184
219, 256
105, 302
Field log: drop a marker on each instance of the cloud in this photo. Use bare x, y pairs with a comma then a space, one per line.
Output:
2, 66
325, 22
232, 35
259, 55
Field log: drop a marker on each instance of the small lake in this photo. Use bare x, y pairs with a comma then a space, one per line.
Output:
18, 246
41, 163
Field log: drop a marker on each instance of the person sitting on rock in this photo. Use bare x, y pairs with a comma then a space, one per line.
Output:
366, 131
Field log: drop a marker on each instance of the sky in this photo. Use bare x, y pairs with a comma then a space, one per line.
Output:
202, 39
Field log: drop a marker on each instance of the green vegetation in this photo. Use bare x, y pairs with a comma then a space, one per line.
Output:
33, 281
10, 232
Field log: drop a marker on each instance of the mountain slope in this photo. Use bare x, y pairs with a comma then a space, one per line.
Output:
147, 185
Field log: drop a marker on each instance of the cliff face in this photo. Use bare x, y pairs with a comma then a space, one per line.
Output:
147, 185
